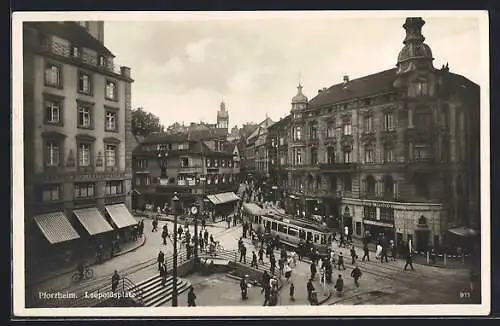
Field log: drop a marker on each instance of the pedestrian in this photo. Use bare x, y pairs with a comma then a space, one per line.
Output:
212, 239
202, 242
240, 244
243, 254
340, 262
366, 252
205, 236
378, 252
141, 228
164, 235
339, 285
115, 279
254, 260
310, 289
155, 225
244, 288
292, 292
191, 297
356, 274
203, 223
261, 255
99, 253
272, 260
288, 272
383, 255
353, 255
163, 274
281, 264
160, 259
179, 232
312, 268
409, 261
393, 251
267, 293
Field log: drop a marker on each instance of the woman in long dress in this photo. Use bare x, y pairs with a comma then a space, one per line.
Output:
379, 251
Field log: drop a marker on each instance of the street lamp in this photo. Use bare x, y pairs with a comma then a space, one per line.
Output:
175, 200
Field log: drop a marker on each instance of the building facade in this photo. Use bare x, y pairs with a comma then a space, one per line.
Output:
278, 135
393, 153
77, 112
195, 164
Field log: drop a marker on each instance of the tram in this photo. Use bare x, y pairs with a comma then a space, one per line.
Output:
293, 232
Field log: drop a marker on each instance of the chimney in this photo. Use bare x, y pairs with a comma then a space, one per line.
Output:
319, 91
346, 79
125, 71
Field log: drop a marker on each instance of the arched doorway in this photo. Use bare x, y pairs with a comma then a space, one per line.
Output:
422, 233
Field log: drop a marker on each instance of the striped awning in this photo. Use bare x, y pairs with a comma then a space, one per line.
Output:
120, 215
92, 220
56, 227
222, 198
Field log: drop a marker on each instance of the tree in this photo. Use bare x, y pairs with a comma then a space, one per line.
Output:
144, 123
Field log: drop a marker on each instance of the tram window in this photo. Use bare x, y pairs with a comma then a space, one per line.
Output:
302, 234
268, 226
259, 219
316, 238
282, 228
274, 226
309, 236
256, 219
323, 239
292, 232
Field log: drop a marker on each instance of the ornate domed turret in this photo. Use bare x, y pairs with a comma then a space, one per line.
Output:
299, 101
415, 53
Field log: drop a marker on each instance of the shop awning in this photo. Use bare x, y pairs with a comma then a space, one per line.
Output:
223, 198
92, 220
56, 227
463, 231
120, 215
253, 209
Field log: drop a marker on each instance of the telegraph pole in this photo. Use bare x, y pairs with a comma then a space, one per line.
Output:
175, 201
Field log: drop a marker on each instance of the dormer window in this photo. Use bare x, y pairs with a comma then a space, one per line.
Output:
102, 61
75, 51
422, 88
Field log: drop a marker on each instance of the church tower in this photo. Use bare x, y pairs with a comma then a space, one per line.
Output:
222, 117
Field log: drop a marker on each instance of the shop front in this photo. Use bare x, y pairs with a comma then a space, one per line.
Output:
376, 230
347, 219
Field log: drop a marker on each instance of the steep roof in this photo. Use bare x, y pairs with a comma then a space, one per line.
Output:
205, 134
377, 83
70, 31
163, 137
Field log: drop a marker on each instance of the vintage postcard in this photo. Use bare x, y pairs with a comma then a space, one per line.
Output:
251, 163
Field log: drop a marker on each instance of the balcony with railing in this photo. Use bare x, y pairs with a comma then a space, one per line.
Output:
193, 169
338, 167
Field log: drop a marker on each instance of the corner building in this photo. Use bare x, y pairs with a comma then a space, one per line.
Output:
77, 155
392, 154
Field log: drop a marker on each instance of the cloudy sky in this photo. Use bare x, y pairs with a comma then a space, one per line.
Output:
184, 67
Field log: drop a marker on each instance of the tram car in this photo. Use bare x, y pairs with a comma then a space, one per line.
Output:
299, 234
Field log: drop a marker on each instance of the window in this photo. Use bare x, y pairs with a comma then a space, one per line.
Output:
347, 157
137, 181
313, 131
208, 162
347, 183
370, 212
184, 162
445, 118
53, 75
422, 88
298, 133
111, 90
282, 228
422, 152
274, 226
358, 229
423, 119
84, 116
75, 51
369, 154
292, 232
388, 121
102, 61
53, 153
111, 121
216, 163
388, 154
388, 185
367, 123
370, 185
314, 156
422, 186
330, 152
53, 111
223, 163
84, 83
114, 188
347, 128
84, 190
386, 214
333, 183
84, 154
142, 163
299, 157
330, 129
51, 192
111, 155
